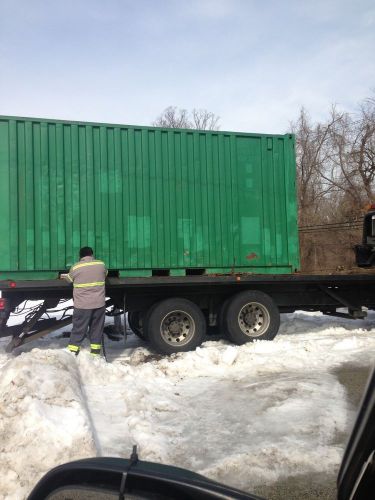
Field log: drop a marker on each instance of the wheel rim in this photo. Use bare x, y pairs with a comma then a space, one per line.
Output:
177, 328
254, 319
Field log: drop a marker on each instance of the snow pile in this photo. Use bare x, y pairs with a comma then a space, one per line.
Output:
282, 427
126, 402
43, 418
240, 425
243, 415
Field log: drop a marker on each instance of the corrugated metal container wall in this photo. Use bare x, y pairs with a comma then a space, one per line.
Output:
145, 199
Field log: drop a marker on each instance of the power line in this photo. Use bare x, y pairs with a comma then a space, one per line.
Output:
335, 228
341, 228
345, 223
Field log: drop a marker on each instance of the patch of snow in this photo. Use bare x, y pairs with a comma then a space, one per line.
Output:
243, 415
43, 418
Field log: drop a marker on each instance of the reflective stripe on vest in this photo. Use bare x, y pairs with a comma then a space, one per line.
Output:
84, 264
84, 285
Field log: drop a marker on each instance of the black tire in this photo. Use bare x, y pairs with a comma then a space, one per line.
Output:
175, 325
146, 318
251, 315
135, 320
221, 317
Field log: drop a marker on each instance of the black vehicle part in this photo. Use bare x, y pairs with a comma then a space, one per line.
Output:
175, 325
116, 331
34, 327
222, 315
146, 321
104, 477
364, 255
219, 328
113, 333
251, 315
356, 478
135, 320
368, 233
354, 311
21, 339
133, 460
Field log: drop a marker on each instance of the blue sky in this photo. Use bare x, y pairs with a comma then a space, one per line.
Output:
252, 62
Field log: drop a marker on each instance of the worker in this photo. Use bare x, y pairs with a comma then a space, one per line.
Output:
88, 278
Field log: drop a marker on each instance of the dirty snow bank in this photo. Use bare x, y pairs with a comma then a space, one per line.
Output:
245, 415
43, 418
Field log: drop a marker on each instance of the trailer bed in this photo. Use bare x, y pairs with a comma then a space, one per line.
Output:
358, 287
138, 295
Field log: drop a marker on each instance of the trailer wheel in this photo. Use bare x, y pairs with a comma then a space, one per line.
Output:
175, 325
251, 315
222, 316
135, 320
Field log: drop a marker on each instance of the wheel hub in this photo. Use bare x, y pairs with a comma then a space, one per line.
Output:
177, 327
249, 318
253, 319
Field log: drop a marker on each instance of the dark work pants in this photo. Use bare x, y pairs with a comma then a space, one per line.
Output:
87, 319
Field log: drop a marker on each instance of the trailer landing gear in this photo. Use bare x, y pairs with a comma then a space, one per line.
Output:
354, 311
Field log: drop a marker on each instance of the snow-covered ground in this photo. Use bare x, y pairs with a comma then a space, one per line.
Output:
244, 415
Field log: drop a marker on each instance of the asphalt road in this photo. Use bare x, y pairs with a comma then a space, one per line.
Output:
323, 485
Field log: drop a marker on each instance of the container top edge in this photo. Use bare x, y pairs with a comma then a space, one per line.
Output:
142, 127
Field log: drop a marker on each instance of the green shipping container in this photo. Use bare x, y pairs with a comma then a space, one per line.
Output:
148, 200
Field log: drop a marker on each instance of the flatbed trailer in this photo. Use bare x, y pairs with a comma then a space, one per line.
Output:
198, 230
175, 313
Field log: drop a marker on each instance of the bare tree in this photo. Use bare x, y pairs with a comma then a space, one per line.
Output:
205, 120
362, 153
311, 157
199, 119
350, 161
172, 117
336, 178
335, 164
